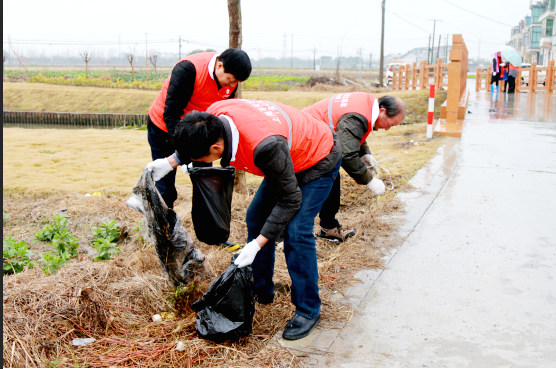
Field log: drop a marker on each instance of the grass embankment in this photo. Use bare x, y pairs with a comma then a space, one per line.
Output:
44, 97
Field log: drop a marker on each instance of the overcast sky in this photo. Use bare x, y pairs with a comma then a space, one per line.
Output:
324, 24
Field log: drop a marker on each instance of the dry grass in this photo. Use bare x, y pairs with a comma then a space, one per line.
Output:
43, 97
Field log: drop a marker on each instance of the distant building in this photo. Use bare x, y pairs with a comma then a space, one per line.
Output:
534, 37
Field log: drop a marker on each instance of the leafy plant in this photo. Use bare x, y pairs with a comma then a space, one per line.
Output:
16, 256
66, 244
105, 249
59, 224
5, 215
51, 262
108, 230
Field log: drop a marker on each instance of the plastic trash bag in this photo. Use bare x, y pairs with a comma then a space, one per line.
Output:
180, 261
227, 308
211, 210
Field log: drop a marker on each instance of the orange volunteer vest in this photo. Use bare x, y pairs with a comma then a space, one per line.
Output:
309, 140
331, 110
204, 94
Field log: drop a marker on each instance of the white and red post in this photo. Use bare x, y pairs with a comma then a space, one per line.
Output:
431, 111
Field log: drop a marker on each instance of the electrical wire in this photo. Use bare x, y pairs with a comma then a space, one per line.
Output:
414, 25
478, 15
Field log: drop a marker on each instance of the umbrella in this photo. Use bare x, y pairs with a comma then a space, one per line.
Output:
509, 54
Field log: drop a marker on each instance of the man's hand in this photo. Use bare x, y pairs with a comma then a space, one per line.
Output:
377, 186
370, 162
160, 168
247, 254
185, 169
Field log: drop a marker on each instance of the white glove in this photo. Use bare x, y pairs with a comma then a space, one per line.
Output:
247, 254
377, 186
185, 168
370, 162
159, 167
494, 74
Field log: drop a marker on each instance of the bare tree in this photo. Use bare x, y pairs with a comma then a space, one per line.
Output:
130, 59
86, 56
234, 13
153, 58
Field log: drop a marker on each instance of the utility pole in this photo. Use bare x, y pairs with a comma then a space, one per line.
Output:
315, 59
180, 49
429, 51
146, 57
292, 52
438, 48
433, 34
381, 70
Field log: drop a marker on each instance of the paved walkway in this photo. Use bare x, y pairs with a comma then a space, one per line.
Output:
474, 283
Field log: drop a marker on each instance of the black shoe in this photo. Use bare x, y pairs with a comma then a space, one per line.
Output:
299, 327
265, 299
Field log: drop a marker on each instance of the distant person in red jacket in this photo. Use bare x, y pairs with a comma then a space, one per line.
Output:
197, 81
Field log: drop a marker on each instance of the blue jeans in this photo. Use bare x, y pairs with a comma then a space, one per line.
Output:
299, 243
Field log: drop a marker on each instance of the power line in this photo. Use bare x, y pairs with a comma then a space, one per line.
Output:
414, 25
478, 15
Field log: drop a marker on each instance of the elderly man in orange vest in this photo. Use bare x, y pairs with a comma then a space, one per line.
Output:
299, 158
196, 82
354, 116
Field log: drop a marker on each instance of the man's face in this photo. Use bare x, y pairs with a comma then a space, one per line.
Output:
384, 122
225, 79
215, 153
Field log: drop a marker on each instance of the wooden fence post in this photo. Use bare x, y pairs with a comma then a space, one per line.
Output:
406, 87
414, 76
478, 80
438, 74
550, 77
400, 77
423, 74
533, 77
454, 75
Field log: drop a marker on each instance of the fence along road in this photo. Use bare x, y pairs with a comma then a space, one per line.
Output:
33, 119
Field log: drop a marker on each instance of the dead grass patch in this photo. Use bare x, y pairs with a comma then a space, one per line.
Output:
113, 301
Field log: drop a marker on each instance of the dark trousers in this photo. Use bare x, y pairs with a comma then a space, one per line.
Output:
331, 207
505, 84
161, 147
511, 82
299, 243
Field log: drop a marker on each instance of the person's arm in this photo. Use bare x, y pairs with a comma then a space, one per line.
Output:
272, 157
351, 129
364, 150
180, 89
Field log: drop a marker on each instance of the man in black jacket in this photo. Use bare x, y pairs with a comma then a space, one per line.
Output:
196, 82
299, 157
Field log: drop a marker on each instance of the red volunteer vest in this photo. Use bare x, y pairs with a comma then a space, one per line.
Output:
204, 94
310, 141
331, 110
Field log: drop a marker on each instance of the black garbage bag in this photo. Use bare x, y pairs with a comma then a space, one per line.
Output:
180, 261
226, 310
211, 210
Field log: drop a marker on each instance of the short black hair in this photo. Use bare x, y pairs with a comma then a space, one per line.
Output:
393, 105
195, 134
236, 62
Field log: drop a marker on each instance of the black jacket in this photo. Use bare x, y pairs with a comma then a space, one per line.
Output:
180, 89
272, 157
351, 129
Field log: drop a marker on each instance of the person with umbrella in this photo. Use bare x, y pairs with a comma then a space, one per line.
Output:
496, 61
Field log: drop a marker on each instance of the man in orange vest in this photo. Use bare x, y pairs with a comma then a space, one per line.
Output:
299, 158
353, 116
196, 82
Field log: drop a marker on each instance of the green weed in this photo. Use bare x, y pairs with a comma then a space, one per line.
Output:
105, 249
5, 215
16, 256
51, 262
57, 226
108, 230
